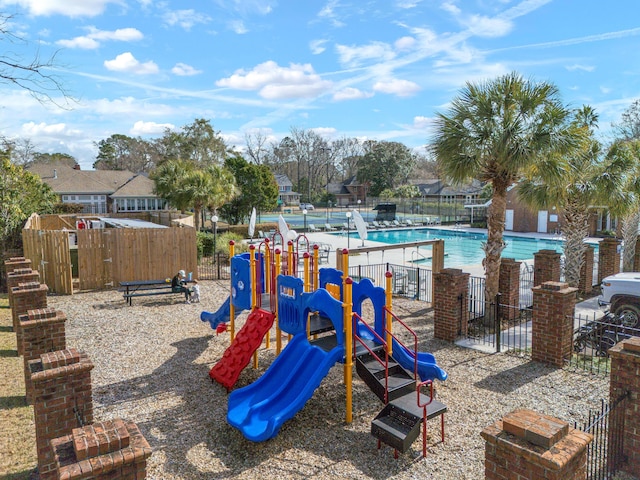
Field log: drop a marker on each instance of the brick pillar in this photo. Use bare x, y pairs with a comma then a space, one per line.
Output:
608, 257
546, 267
585, 284
509, 287
26, 296
16, 262
43, 331
636, 257
105, 450
20, 275
625, 377
552, 322
531, 446
62, 401
450, 296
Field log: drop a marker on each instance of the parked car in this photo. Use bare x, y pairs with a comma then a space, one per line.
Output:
306, 206
622, 292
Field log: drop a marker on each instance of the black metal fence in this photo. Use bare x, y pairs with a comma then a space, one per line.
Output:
410, 282
593, 337
214, 269
605, 453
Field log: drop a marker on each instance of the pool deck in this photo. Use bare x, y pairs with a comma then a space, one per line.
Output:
403, 256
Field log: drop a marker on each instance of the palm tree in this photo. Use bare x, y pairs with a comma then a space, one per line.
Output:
587, 181
495, 132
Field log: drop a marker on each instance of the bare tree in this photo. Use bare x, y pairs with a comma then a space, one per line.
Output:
30, 75
257, 148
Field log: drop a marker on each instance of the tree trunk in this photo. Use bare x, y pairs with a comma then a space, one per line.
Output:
575, 230
495, 244
196, 217
630, 237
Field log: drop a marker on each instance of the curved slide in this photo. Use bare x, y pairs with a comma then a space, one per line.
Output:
259, 409
428, 369
222, 315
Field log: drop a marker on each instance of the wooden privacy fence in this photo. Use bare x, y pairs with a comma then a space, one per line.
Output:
109, 256
49, 253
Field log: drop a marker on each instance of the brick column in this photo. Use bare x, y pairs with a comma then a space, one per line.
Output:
43, 331
552, 322
26, 296
531, 446
585, 284
62, 401
16, 262
625, 377
509, 287
608, 257
105, 450
450, 296
546, 267
636, 257
20, 275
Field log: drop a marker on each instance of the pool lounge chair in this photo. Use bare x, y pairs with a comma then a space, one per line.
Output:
377, 225
328, 227
396, 223
386, 223
313, 228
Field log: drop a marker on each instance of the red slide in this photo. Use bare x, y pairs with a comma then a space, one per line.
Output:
238, 354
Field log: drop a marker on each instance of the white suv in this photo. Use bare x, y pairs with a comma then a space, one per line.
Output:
306, 206
622, 292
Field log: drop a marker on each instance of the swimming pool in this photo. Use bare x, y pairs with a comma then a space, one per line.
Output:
462, 248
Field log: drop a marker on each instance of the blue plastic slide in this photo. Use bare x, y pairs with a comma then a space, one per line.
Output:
259, 409
222, 315
428, 369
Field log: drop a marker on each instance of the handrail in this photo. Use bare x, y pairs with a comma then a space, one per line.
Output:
424, 412
414, 354
384, 364
418, 255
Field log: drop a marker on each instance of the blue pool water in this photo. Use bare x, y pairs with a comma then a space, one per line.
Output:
464, 248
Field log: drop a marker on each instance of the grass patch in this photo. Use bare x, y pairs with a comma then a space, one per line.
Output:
17, 431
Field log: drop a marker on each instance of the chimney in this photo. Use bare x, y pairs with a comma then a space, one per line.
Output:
76, 166
55, 173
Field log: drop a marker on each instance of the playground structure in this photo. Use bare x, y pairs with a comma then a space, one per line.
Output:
321, 316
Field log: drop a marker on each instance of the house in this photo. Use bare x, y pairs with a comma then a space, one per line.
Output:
348, 192
100, 191
286, 195
437, 191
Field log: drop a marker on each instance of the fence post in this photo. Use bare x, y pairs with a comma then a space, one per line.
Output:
625, 365
552, 322
497, 321
546, 267
533, 446
608, 257
585, 284
451, 316
509, 287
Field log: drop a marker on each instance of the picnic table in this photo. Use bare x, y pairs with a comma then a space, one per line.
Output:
144, 288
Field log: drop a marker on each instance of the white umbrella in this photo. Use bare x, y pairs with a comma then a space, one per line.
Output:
284, 230
252, 223
361, 227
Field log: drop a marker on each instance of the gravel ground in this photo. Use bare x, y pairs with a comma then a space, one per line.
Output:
151, 366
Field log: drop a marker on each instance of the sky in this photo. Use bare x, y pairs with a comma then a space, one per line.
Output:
369, 69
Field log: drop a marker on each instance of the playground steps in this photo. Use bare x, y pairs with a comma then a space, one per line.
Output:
238, 355
319, 324
400, 382
398, 424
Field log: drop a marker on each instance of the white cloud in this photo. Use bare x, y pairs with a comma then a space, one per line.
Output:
238, 27
69, 8
488, 27
276, 82
126, 62
185, 18
150, 128
405, 43
351, 93
420, 122
401, 88
354, 56
576, 66
32, 128
408, 3
184, 70
451, 8
605, 90
317, 46
92, 40
325, 131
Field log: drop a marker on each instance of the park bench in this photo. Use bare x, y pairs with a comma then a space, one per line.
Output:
146, 288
